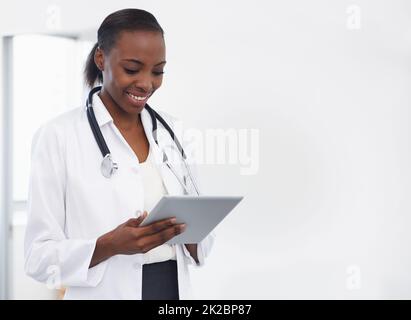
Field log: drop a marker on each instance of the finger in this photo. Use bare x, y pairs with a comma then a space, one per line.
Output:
143, 215
160, 238
157, 226
129, 222
135, 222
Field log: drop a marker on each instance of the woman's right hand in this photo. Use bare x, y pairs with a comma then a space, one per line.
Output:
130, 238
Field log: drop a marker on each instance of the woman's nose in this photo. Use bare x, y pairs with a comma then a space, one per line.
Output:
144, 84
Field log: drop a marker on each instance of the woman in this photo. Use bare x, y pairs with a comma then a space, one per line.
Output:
84, 230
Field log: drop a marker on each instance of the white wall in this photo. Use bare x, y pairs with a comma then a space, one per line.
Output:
327, 215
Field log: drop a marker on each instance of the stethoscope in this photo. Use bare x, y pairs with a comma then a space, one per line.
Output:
109, 166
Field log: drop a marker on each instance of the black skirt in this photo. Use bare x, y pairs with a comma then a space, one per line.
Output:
160, 281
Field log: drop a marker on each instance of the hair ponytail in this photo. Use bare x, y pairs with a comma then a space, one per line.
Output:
91, 72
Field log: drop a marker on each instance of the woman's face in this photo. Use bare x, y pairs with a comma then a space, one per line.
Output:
133, 69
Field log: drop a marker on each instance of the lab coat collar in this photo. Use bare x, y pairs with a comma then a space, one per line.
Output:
170, 182
148, 129
103, 117
100, 111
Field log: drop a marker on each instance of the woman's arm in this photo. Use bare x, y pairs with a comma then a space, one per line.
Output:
51, 257
103, 250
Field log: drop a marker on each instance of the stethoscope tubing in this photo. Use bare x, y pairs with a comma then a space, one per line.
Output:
109, 167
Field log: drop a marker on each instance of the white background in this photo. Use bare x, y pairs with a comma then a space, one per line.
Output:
328, 213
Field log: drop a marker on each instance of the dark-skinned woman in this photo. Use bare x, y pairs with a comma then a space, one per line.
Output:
83, 229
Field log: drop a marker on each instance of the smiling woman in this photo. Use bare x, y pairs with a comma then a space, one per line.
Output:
93, 239
129, 60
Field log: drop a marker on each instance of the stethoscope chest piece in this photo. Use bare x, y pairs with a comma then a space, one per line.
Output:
108, 166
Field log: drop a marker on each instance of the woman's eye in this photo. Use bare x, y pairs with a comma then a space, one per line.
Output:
129, 71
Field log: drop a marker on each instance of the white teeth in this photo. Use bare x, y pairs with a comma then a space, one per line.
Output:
137, 98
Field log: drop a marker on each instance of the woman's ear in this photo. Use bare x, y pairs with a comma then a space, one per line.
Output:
99, 59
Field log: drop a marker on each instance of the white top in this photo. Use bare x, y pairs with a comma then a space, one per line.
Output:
153, 192
71, 204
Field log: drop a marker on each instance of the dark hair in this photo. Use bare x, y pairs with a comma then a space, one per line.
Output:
110, 29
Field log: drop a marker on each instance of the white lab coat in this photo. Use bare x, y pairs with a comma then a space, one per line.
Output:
71, 204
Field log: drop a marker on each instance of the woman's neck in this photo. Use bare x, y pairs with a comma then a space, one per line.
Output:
122, 119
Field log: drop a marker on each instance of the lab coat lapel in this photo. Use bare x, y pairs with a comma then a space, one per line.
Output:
169, 180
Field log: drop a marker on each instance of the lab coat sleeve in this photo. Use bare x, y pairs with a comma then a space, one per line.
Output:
50, 257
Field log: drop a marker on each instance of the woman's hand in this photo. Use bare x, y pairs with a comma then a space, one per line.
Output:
192, 248
130, 238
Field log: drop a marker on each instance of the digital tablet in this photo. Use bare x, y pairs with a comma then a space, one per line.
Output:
201, 214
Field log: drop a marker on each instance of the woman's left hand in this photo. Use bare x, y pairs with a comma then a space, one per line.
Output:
192, 248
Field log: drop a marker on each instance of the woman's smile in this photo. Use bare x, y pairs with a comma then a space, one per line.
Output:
137, 100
